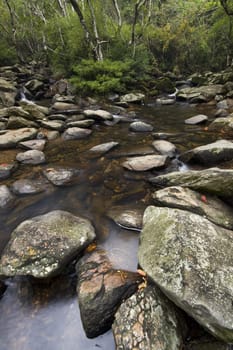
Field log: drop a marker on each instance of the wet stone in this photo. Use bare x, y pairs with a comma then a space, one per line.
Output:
101, 289
33, 144
197, 119
12, 137
103, 148
76, 133
58, 237
140, 127
53, 125
59, 176
165, 148
148, 320
31, 157
80, 123
6, 198
98, 114
26, 186
6, 169
145, 163
127, 218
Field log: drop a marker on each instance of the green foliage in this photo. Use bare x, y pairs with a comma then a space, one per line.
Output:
101, 77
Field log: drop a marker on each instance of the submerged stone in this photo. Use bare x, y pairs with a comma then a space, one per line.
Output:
144, 163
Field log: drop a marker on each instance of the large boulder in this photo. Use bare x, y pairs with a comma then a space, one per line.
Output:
20, 122
101, 289
8, 93
147, 320
191, 260
45, 244
144, 163
213, 153
211, 207
213, 180
12, 137
223, 124
200, 94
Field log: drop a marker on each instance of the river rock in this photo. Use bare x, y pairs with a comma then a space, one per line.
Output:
147, 320
76, 133
98, 114
215, 181
6, 169
133, 98
6, 198
101, 289
64, 106
26, 186
197, 119
52, 135
144, 163
140, 127
208, 206
213, 153
57, 116
130, 219
58, 125
36, 112
12, 137
200, 94
34, 85
19, 122
165, 148
39, 145
31, 157
58, 237
207, 343
17, 111
59, 176
80, 123
103, 148
165, 101
223, 124
7, 86
190, 259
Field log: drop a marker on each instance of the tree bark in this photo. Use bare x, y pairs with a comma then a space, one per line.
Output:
137, 7
116, 6
98, 47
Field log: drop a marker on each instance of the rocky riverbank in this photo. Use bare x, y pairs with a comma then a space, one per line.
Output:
184, 280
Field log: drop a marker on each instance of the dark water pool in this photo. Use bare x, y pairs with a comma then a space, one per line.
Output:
46, 316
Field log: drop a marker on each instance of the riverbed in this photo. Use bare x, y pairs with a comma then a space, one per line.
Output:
35, 316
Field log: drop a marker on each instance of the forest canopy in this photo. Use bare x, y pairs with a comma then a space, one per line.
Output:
122, 40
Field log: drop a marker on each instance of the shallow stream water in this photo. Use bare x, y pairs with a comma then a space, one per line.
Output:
46, 316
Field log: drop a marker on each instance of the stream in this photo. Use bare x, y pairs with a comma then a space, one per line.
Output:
46, 316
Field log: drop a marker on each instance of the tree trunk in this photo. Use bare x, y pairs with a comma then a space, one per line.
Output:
89, 40
138, 4
115, 3
96, 34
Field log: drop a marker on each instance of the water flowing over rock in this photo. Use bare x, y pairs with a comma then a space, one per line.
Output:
12, 137
26, 186
45, 244
190, 259
208, 206
101, 290
147, 320
213, 180
213, 153
145, 162
31, 157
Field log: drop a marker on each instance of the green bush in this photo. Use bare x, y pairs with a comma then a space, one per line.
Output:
102, 77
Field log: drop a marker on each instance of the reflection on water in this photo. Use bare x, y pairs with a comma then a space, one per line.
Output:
47, 316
